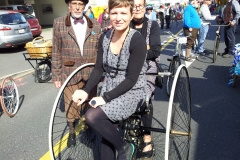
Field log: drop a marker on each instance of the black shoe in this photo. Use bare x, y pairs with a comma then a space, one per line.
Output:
148, 154
202, 53
221, 54
71, 140
128, 152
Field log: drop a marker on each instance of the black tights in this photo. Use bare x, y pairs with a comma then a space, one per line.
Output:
146, 118
111, 139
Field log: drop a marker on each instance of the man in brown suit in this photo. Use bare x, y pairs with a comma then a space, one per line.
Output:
75, 41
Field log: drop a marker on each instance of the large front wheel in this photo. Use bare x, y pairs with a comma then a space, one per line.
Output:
178, 129
87, 140
174, 64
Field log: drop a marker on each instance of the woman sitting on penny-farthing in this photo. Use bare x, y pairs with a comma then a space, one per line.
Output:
121, 54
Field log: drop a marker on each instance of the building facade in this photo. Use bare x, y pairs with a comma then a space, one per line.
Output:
47, 10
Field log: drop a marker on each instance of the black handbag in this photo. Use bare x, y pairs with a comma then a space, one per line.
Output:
159, 79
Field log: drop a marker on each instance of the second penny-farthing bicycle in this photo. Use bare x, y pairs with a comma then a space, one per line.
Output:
170, 141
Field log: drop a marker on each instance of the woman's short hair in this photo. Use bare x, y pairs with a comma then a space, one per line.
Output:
120, 3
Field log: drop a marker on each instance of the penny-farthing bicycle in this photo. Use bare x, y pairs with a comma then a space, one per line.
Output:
9, 96
170, 142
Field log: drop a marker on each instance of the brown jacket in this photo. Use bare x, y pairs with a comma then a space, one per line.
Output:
66, 54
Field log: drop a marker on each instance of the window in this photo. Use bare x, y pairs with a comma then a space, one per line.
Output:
12, 19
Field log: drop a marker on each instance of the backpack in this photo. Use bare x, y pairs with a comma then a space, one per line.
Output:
228, 13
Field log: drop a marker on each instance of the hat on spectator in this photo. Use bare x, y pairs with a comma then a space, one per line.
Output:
84, 1
149, 8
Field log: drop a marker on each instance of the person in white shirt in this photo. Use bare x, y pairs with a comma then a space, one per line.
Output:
205, 16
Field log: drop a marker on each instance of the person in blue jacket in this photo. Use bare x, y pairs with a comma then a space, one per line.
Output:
191, 24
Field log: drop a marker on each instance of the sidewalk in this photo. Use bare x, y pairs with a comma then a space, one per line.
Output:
47, 32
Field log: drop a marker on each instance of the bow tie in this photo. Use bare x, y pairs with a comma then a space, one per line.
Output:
79, 21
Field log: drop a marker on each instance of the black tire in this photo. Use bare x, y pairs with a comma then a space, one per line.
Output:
215, 49
43, 71
87, 140
178, 130
175, 63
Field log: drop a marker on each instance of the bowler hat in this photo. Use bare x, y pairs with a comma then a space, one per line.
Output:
84, 1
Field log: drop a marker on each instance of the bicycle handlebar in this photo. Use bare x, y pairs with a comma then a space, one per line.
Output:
219, 25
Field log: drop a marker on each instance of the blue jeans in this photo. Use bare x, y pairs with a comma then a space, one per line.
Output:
202, 36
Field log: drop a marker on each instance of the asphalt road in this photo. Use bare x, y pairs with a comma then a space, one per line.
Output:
215, 107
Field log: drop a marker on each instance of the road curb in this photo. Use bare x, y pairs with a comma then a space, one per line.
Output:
19, 74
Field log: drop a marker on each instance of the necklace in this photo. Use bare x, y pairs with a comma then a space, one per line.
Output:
118, 65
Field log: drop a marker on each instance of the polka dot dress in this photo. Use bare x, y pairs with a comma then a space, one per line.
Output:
125, 105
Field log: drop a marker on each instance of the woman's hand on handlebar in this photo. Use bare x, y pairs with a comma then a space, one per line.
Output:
79, 96
96, 101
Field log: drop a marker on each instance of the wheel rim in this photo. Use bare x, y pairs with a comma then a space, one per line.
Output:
87, 140
43, 72
178, 130
9, 97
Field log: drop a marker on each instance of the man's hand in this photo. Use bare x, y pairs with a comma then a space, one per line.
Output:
58, 84
79, 96
96, 101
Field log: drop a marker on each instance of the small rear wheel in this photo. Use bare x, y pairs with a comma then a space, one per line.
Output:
175, 63
43, 71
9, 97
215, 49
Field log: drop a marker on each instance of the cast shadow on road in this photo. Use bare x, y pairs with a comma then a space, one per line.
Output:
21, 99
216, 112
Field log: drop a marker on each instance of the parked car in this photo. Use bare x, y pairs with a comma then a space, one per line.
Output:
36, 29
14, 29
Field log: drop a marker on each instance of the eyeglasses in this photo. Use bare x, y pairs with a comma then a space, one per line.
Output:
78, 4
140, 7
